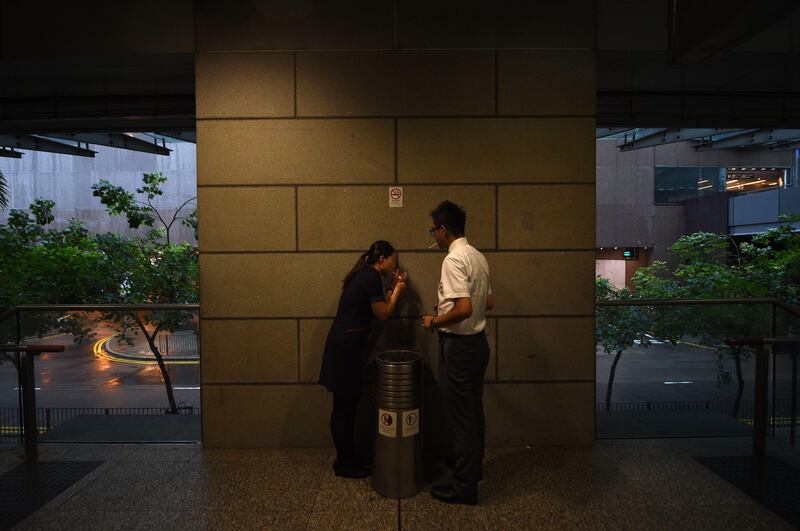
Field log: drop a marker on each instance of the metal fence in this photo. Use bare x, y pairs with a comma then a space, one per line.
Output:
780, 420
179, 343
780, 413
48, 418
721, 406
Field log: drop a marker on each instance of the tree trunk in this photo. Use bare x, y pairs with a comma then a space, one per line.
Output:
151, 340
739, 382
173, 408
617, 356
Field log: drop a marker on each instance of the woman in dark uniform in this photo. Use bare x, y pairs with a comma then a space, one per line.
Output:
362, 299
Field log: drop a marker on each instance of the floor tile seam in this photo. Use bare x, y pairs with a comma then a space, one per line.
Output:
618, 504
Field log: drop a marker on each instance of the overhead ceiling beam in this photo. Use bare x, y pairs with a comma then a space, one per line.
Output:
602, 132
785, 146
186, 136
750, 139
120, 124
115, 140
10, 153
35, 143
699, 30
669, 136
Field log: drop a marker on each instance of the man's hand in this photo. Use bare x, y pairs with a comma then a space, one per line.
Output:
427, 323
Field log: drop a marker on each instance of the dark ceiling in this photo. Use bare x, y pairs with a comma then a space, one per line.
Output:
106, 66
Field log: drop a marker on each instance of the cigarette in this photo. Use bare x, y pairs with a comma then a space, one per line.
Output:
431, 246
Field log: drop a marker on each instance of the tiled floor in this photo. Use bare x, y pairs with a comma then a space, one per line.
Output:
632, 484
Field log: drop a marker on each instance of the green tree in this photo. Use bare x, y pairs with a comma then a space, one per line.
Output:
618, 327
715, 266
47, 266
119, 201
40, 265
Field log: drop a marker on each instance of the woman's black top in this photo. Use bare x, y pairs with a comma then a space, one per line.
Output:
345, 347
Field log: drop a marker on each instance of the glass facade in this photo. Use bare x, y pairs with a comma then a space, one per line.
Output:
675, 185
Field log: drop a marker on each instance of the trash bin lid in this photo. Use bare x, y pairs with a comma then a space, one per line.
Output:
397, 357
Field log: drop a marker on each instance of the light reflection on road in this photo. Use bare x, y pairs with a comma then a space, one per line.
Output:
79, 378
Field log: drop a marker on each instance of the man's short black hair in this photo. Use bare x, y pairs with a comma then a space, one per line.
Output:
451, 216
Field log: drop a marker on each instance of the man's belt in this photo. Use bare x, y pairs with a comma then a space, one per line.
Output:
456, 336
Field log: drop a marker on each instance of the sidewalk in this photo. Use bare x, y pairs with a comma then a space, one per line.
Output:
630, 484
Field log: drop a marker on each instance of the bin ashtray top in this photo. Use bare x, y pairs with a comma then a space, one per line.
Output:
397, 357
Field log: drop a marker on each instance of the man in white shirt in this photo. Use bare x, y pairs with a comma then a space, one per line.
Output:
465, 294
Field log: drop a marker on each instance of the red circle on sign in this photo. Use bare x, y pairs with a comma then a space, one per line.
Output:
395, 193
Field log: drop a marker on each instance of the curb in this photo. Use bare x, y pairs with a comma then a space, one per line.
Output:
133, 357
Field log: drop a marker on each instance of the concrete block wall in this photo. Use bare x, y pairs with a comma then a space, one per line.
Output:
307, 115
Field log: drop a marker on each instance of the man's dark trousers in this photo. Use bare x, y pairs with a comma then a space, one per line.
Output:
462, 369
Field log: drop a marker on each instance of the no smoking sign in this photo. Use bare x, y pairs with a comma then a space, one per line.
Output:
395, 197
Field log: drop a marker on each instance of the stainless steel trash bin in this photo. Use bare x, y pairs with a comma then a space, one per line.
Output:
398, 447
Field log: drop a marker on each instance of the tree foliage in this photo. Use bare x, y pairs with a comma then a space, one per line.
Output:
119, 201
709, 266
43, 265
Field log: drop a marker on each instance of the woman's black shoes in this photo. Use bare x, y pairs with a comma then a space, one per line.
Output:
351, 470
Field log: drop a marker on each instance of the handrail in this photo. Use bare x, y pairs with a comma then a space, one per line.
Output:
121, 306
756, 341
599, 302
686, 302
95, 307
33, 349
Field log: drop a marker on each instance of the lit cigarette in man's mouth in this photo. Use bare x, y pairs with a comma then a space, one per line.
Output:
431, 246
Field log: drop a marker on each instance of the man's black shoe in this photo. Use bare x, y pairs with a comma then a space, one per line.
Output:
351, 470
447, 494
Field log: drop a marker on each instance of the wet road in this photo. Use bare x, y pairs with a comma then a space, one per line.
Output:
78, 378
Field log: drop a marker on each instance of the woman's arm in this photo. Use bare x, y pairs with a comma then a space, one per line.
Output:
384, 309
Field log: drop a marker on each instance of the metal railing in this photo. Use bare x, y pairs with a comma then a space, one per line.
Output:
27, 386
29, 418
760, 413
49, 418
14, 310
700, 302
764, 409
176, 343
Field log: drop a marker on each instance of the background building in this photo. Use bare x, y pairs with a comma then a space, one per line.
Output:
649, 197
